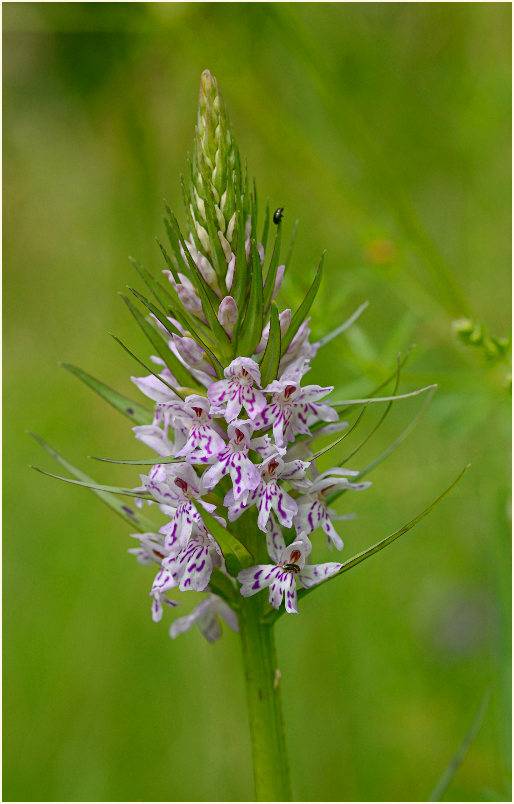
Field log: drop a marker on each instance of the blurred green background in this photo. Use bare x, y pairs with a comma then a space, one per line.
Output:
385, 129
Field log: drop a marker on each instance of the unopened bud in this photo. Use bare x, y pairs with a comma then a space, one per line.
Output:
206, 270
231, 267
225, 245
227, 314
278, 281
219, 217
230, 227
203, 237
188, 350
200, 205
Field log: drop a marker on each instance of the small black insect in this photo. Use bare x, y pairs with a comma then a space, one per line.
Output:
292, 568
278, 215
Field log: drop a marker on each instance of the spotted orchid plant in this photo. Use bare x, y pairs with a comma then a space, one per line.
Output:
235, 484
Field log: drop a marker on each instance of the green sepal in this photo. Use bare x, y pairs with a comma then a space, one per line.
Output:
145, 366
98, 487
301, 314
251, 330
133, 410
271, 357
134, 518
163, 296
271, 276
235, 553
272, 615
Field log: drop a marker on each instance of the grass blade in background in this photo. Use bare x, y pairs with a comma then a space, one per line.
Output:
440, 788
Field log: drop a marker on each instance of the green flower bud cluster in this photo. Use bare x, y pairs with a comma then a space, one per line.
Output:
214, 160
224, 276
473, 333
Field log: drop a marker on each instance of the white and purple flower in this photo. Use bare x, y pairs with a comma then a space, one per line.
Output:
234, 460
179, 494
189, 567
206, 616
313, 510
204, 438
237, 390
289, 568
293, 408
269, 495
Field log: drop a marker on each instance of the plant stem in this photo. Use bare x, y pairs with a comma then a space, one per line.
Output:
266, 719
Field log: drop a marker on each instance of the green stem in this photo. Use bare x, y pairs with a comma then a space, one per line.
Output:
269, 753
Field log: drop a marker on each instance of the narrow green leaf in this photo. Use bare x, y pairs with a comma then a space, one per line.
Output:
400, 438
302, 312
255, 208
179, 260
380, 421
382, 398
155, 338
344, 326
163, 296
264, 238
273, 615
271, 276
271, 357
385, 382
134, 518
179, 371
235, 553
98, 487
396, 443
133, 410
169, 261
145, 366
168, 326
240, 281
251, 330
141, 461
189, 324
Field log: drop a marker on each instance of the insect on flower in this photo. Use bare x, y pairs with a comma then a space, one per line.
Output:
278, 215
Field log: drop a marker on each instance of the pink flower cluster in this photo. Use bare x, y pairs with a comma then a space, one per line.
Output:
237, 445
